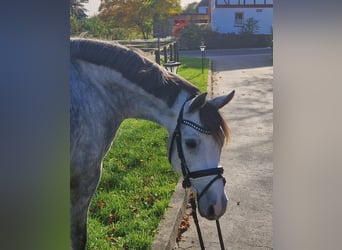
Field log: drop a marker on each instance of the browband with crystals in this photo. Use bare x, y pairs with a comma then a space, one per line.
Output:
196, 127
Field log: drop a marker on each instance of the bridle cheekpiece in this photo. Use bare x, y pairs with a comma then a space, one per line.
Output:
187, 174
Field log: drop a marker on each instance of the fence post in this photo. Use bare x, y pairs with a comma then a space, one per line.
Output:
171, 52
176, 56
157, 53
158, 50
165, 54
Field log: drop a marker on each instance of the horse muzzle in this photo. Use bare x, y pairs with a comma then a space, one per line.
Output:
212, 203
212, 208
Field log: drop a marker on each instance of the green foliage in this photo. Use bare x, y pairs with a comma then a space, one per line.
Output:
98, 28
77, 9
95, 27
75, 26
138, 15
137, 181
191, 36
191, 8
191, 69
121, 19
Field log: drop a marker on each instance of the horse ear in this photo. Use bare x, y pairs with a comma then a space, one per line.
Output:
220, 101
197, 102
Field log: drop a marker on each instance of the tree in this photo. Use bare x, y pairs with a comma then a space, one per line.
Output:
250, 26
75, 26
77, 9
191, 35
98, 28
191, 8
138, 14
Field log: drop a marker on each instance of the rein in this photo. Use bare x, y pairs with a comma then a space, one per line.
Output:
187, 174
194, 215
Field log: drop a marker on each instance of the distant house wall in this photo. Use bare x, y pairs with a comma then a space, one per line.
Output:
203, 7
228, 16
202, 10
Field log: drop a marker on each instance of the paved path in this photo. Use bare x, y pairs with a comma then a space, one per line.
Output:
226, 52
247, 160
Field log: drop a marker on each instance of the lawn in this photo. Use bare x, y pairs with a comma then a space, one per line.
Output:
137, 180
191, 69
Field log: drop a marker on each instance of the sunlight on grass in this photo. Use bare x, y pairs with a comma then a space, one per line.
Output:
137, 181
191, 69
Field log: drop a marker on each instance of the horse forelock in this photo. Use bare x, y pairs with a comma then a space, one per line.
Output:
211, 119
133, 66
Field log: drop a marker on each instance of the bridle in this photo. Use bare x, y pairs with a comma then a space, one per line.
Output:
187, 174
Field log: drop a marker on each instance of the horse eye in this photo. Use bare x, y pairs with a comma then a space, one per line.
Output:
191, 143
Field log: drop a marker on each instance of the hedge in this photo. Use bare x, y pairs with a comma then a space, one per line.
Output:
191, 37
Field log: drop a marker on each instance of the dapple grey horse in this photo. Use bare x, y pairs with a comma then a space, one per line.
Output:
110, 83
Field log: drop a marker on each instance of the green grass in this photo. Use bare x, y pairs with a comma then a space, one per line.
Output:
191, 69
137, 181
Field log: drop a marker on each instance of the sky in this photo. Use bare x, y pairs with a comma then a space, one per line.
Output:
93, 5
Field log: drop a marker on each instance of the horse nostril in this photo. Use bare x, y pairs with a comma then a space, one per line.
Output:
211, 212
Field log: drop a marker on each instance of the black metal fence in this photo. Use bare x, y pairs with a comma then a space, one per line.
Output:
163, 49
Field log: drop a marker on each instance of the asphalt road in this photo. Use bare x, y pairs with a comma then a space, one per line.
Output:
226, 52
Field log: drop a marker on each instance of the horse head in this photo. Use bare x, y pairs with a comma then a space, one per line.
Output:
195, 150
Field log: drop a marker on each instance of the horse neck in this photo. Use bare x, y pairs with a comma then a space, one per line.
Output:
151, 108
128, 100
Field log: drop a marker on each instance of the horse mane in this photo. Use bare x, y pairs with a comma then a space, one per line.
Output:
138, 69
213, 121
148, 75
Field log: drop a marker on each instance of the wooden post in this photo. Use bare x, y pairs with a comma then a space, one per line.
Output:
176, 50
157, 53
165, 54
171, 52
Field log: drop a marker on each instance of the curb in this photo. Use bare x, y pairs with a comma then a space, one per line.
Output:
167, 231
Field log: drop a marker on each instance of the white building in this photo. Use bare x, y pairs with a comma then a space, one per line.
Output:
227, 16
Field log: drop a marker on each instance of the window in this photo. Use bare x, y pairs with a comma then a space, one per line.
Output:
238, 19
